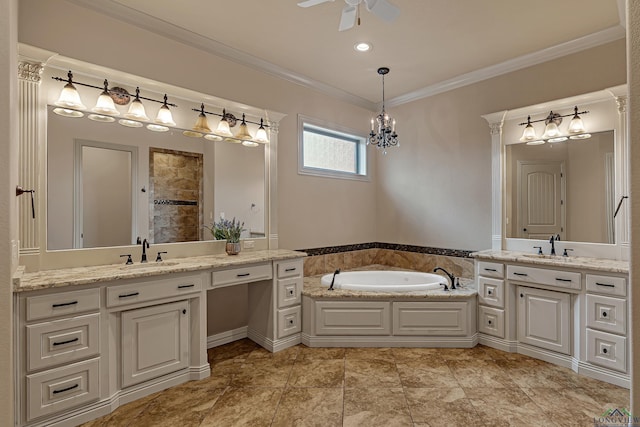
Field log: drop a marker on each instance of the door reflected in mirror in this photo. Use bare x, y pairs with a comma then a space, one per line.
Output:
565, 188
230, 181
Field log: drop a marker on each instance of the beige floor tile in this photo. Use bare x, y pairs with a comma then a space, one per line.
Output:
371, 373
288, 353
534, 373
416, 354
254, 407
426, 375
441, 406
263, 373
321, 353
306, 407
357, 353
317, 373
507, 407
480, 373
372, 407
236, 350
475, 353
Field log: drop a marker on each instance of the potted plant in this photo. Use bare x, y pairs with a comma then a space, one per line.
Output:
230, 231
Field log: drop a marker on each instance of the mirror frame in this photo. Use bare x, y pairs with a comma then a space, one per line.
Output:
608, 112
33, 167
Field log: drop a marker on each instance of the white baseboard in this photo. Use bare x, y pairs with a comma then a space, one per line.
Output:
274, 345
389, 341
227, 336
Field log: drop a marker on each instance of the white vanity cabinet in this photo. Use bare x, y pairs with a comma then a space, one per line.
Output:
561, 310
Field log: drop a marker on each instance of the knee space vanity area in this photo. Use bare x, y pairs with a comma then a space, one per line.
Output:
91, 339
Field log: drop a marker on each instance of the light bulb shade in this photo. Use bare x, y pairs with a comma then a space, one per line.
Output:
164, 116
243, 132
576, 126
261, 136
202, 125
101, 118
105, 105
223, 128
70, 98
250, 143
130, 123
65, 112
212, 137
136, 111
157, 128
529, 134
551, 131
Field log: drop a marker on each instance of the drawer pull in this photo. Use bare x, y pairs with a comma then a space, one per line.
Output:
489, 292
243, 274
606, 285
604, 351
563, 280
604, 314
185, 286
62, 390
491, 269
520, 274
132, 294
65, 342
64, 304
287, 270
490, 322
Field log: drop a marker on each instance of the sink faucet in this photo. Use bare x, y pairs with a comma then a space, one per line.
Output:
451, 277
333, 279
145, 246
552, 240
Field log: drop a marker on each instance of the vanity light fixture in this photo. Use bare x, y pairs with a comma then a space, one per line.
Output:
69, 96
261, 134
136, 110
243, 132
223, 128
383, 128
201, 127
105, 104
164, 116
223, 131
552, 132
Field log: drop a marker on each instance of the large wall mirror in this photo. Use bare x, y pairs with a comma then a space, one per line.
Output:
102, 185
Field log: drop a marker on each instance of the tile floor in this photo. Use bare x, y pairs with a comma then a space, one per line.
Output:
304, 386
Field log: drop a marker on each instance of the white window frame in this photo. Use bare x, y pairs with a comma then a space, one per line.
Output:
337, 130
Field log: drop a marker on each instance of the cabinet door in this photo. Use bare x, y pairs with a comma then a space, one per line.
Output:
544, 319
155, 341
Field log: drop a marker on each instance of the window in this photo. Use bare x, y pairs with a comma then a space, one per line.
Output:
331, 151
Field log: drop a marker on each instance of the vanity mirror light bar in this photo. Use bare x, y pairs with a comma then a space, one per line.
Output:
552, 132
223, 130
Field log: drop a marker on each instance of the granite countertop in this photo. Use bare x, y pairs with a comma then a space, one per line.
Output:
597, 264
312, 288
23, 282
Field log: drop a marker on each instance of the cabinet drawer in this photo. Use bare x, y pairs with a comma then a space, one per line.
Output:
148, 291
555, 278
62, 341
290, 268
62, 303
431, 318
607, 350
62, 388
607, 285
607, 314
289, 291
352, 318
234, 276
289, 321
490, 269
491, 292
491, 321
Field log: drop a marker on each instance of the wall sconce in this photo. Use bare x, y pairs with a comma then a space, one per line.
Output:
71, 105
552, 132
223, 130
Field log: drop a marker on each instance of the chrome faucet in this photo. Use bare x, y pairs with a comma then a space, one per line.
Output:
451, 277
145, 246
552, 240
333, 279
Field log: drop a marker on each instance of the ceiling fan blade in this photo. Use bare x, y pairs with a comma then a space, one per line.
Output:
348, 18
309, 3
382, 9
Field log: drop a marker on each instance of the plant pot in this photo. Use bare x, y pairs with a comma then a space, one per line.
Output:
233, 248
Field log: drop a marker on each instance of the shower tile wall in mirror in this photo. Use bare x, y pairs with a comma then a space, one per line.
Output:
564, 188
101, 193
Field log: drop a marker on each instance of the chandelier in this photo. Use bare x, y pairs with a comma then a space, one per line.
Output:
383, 128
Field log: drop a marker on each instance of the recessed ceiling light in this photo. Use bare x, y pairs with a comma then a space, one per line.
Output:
362, 46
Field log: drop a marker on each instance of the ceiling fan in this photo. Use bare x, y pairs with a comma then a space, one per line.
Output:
351, 12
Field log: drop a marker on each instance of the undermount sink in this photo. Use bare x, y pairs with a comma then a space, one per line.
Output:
149, 265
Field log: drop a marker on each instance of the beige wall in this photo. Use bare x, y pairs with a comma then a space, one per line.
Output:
436, 189
311, 211
8, 206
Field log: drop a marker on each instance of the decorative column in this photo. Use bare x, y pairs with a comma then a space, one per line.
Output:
622, 238
271, 173
496, 120
29, 76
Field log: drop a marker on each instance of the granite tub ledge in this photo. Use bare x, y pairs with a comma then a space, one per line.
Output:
596, 264
23, 282
313, 289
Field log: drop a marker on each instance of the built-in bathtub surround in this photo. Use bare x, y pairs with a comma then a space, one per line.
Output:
417, 258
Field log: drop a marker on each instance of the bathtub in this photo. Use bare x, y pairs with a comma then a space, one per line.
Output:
385, 281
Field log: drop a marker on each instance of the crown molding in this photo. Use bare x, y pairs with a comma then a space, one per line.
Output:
142, 20
134, 17
573, 46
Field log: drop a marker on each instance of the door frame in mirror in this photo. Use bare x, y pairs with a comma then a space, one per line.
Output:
33, 153
608, 112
